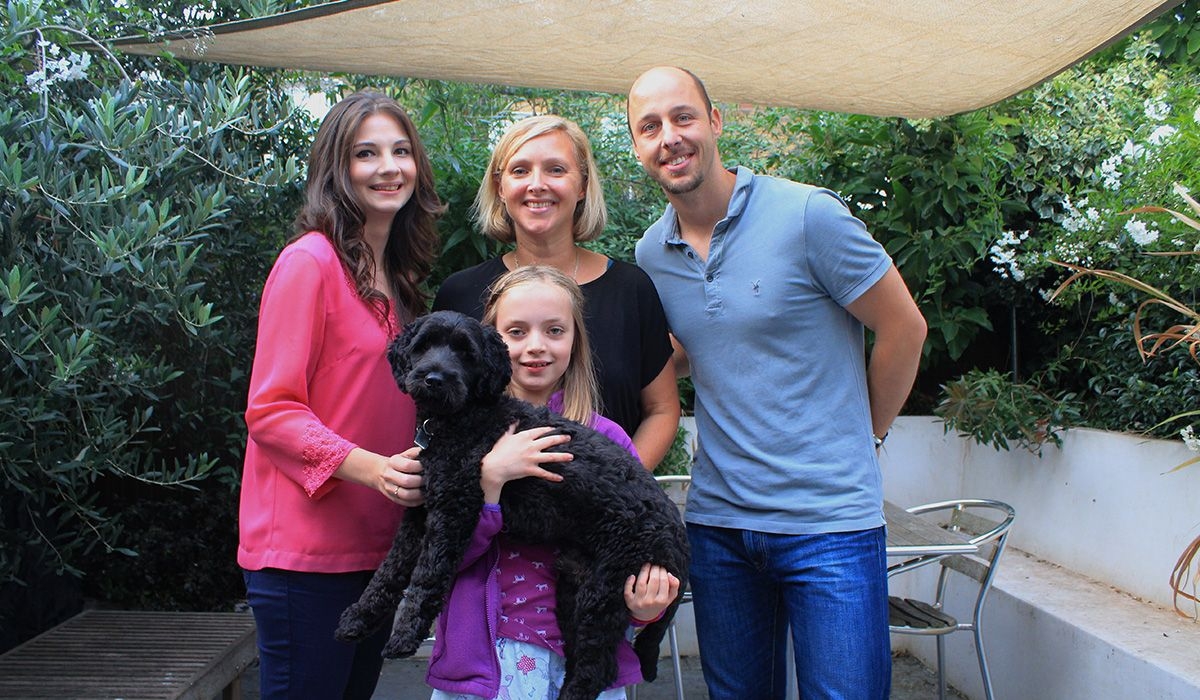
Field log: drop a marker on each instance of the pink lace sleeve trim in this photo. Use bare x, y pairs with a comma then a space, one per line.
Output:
321, 452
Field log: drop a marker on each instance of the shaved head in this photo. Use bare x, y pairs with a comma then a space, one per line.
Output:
663, 72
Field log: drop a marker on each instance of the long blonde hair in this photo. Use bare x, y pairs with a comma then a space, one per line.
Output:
581, 392
489, 213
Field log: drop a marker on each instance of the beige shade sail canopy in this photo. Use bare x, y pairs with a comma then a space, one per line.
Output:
912, 58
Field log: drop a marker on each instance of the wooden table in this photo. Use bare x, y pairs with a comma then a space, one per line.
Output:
918, 541
133, 654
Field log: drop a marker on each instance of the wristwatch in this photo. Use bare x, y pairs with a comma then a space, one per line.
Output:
879, 440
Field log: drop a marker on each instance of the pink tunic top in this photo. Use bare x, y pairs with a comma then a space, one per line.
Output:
321, 386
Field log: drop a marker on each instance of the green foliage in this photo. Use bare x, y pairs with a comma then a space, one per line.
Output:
1177, 33
137, 218
1126, 132
989, 407
678, 459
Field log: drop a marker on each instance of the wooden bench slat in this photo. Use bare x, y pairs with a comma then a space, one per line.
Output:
132, 655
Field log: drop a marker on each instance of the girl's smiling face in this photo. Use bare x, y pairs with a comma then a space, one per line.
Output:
536, 323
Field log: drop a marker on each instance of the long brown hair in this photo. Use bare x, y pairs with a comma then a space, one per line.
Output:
331, 207
581, 393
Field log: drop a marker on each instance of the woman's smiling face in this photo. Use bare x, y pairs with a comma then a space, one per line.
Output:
541, 184
383, 171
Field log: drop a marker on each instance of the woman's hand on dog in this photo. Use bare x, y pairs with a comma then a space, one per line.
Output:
517, 455
398, 477
403, 478
650, 592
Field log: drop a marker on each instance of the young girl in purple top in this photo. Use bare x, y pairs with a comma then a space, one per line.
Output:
498, 636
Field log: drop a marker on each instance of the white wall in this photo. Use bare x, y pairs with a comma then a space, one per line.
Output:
1103, 505
1081, 607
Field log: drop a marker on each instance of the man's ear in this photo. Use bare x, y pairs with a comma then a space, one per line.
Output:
715, 118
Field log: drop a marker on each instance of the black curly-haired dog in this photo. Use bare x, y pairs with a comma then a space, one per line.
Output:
607, 516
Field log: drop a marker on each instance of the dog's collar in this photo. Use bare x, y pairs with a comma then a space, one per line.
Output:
423, 435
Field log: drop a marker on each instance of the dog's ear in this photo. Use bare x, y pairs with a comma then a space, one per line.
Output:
496, 369
398, 351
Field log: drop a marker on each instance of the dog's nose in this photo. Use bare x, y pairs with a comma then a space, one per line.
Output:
434, 379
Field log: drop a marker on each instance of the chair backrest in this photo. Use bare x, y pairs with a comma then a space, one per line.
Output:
987, 523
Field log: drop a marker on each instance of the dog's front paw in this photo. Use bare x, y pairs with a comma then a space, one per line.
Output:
401, 646
353, 625
407, 635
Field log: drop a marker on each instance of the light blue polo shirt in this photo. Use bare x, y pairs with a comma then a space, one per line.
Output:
783, 421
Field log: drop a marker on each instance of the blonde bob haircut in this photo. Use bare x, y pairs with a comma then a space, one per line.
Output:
489, 212
581, 391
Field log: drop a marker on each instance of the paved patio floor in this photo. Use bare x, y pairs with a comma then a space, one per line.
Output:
404, 679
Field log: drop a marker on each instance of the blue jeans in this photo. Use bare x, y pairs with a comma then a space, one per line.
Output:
296, 614
831, 589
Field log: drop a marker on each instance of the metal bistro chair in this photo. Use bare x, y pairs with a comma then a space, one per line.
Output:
676, 486
987, 523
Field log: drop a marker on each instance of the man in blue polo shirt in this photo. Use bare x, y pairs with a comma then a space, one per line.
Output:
767, 285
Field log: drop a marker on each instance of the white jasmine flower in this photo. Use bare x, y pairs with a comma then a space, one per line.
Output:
1003, 255
1196, 115
1110, 172
1157, 110
1161, 134
37, 81
1190, 439
1131, 149
59, 70
1140, 233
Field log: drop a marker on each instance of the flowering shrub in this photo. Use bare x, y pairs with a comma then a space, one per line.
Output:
1139, 134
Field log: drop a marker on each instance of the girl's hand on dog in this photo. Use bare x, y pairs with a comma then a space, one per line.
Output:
649, 593
518, 455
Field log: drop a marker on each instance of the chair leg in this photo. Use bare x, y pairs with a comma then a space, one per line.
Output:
983, 668
941, 662
631, 692
674, 639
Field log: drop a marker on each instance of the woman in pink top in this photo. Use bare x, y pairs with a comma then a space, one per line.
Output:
330, 463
